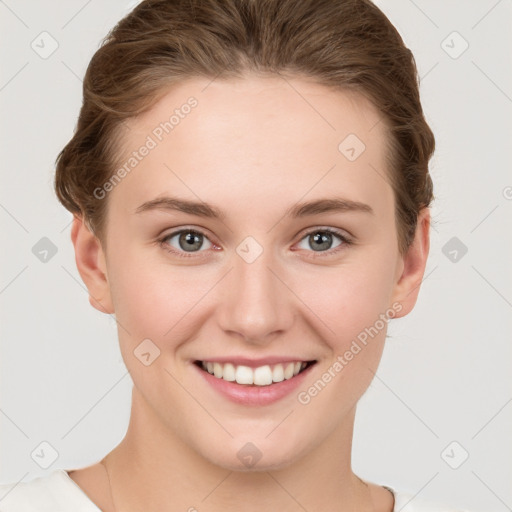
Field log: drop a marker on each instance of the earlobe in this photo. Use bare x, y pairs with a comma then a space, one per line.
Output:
91, 264
413, 266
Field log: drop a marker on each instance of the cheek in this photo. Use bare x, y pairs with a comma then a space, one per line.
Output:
158, 303
355, 306
156, 300
353, 297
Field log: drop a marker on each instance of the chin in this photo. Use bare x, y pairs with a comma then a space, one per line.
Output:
253, 456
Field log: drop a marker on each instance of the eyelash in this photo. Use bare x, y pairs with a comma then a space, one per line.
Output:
346, 241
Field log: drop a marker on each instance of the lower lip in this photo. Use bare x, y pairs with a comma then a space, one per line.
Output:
254, 395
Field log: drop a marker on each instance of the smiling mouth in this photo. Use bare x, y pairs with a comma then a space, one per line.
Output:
261, 376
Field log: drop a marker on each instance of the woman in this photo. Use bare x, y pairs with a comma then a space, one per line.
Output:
250, 189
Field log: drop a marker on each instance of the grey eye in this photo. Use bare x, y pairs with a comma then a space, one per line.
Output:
321, 240
188, 240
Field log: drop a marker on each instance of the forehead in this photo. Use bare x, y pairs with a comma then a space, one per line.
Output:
254, 136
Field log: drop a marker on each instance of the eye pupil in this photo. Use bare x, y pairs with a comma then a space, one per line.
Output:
322, 238
190, 240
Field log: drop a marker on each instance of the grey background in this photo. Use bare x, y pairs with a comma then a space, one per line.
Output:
446, 371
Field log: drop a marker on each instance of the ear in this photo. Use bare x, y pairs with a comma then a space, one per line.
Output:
412, 265
91, 263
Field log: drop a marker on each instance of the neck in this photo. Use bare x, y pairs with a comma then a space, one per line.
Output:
161, 471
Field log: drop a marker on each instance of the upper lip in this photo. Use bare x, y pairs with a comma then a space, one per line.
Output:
255, 363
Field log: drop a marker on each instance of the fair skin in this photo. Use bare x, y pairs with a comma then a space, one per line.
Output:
252, 148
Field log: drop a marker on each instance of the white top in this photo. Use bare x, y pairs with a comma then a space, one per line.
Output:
58, 492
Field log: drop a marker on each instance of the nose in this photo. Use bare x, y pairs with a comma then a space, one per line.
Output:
255, 304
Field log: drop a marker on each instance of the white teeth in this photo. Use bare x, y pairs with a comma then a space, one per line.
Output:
261, 376
288, 371
278, 373
228, 372
217, 370
244, 375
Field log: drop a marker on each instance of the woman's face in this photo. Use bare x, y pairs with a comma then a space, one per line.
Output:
267, 278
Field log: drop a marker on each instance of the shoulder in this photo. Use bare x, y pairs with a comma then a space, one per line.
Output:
407, 502
55, 492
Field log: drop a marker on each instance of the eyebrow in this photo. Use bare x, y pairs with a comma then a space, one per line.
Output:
304, 209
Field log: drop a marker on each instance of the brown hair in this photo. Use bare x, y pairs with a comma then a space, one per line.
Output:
346, 44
